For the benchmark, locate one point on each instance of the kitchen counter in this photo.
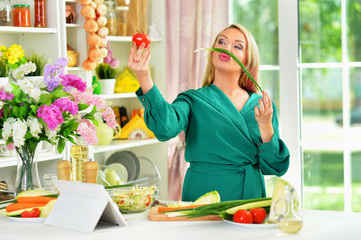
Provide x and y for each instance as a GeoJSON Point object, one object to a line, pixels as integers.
{"type": "Point", "coordinates": [316, 225]}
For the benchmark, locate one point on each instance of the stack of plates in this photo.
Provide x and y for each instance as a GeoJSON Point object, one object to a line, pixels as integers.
{"type": "Point", "coordinates": [129, 160]}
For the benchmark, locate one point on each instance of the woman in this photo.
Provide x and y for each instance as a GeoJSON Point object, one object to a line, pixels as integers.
{"type": "Point", "coordinates": [232, 136]}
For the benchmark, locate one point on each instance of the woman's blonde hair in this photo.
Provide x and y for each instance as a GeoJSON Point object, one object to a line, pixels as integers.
{"type": "Point", "coordinates": [252, 64]}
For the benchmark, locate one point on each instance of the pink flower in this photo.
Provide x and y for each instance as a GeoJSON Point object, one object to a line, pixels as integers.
{"type": "Point", "coordinates": [88, 131]}
{"type": "Point", "coordinates": [70, 81]}
{"type": "Point", "coordinates": [51, 115]}
{"type": "Point", "coordinates": [87, 97]}
{"type": "Point", "coordinates": [6, 96]}
{"type": "Point", "coordinates": [66, 105]}
{"type": "Point", "coordinates": [109, 116]}
{"type": "Point", "coordinates": [10, 147]}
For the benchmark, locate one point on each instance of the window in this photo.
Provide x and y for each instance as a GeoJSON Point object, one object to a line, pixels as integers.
{"type": "Point", "coordinates": [310, 53]}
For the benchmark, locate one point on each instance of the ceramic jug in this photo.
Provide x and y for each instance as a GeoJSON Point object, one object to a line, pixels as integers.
{"type": "Point", "coordinates": [73, 58]}
{"type": "Point", "coordinates": [106, 134]}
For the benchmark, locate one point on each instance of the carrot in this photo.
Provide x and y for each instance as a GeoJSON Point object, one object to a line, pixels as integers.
{"type": "Point", "coordinates": [35, 199]}
{"type": "Point", "coordinates": [166, 209]}
{"type": "Point", "coordinates": [18, 206]}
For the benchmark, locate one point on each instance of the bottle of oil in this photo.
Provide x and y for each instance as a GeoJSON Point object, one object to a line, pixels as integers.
{"type": "Point", "coordinates": [78, 156]}
{"type": "Point", "coordinates": [289, 221]}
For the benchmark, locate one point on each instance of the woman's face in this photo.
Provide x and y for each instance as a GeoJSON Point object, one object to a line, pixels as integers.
{"type": "Point", "coordinates": [234, 41]}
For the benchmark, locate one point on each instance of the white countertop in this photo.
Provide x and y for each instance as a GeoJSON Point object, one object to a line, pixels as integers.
{"type": "Point", "coordinates": [317, 225]}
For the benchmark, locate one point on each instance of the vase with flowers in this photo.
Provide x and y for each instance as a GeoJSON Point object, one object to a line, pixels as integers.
{"type": "Point", "coordinates": [55, 109]}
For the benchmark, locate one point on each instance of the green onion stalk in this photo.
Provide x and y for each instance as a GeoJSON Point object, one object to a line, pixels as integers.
{"type": "Point", "coordinates": [237, 60]}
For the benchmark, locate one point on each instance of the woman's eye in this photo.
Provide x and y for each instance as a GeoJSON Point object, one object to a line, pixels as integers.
{"type": "Point", "coordinates": [238, 47]}
{"type": "Point", "coordinates": [221, 42]}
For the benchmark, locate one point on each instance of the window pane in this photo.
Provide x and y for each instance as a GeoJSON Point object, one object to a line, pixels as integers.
{"type": "Point", "coordinates": [355, 102]}
{"type": "Point", "coordinates": [353, 30]}
{"type": "Point", "coordinates": [261, 19]}
{"type": "Point", "coordinates": [323, 180]}
{"type": "Point", "coordinates": [356, 181]}
{"type": "Point", "coordinates": [269, 81]}
{"type": "Point", "coordinates": [322, 104]}
{"type": "Point", "coordinates": [320, 31]}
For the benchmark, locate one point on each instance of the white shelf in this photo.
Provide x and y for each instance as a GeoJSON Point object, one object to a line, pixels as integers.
{"type": "Point", "coordinates": [41, 157]}
{"type": "Point", "coordinates": [27, 30]}
{"type": "Point", "coordinates": [124, 144]}
{"type": "Point", "coordinates": [119, 95]}
{"type": "Point", "coordinates": [73, 25]}
{"type": "Point", "coordinates": [70, 1]}
{"type": "Point", "coordinates": [76, 69]}
{"type": "Point", "coordinates": [128, 39]}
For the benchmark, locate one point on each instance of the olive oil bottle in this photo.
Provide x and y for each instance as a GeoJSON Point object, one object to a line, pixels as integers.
{"type": "Point", "coordinates": [78, 156]}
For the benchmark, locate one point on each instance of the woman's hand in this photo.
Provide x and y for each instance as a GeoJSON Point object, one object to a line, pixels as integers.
{"type": "Point", "coordinates": [263, 116]}
{"type": "Point", "coordinates": [138, 62]}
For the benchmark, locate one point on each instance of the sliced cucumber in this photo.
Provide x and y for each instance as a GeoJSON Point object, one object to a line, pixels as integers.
{"type": "Point", "coordinates": [30, 193]}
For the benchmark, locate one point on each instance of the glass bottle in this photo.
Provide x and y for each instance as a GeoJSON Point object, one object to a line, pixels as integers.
{"type": "Point", "coordinates": [21, 15]}
{"type": "Point", "coordinates": [5, 13]}
{"type": "Point", "coordinates": [78, 156]}
{"type": "Point", "coordinates": [111, 17]}
{"type": "Point", "coordinates": [288, 218]}
{"type": "Point", "coordinates": [39, 13]}
{"type": "Point", "coordinates": [122, 19]}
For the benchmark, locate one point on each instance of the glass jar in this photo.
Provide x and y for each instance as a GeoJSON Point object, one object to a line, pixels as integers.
{"type": "Point", "coordinates": [122, 19]}
{"type": "Point", "coordinates": [5, 13]}
{"type": "Point", "coordinates": [39, 13]}
{"type": "Point", "coordinates": [21, 15]}
{"type": "Point", "coordinates": [111, 18]}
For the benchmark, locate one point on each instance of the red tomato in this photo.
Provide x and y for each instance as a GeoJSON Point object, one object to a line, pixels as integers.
{"type": "Point", "coordinates": [26, 214]}
{"type": "Point", "coordinates": [140, 38]}
{"type": "Point", "coordinates": [243, 216]}
{"type": "Point", "coordinates": [35, 212]}
{"type": "Point", "coordinates": [258, 214]}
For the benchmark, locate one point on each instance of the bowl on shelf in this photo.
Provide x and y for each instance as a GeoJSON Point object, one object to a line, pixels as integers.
{"type": "Point", "coordinates": [134, 199]}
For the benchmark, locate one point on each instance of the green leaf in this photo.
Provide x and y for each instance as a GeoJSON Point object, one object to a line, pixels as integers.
{"type": "Point", "coordinates": [34, 108]}
{"type": "Point", "coordinates": [82, 106]}
{"type": "Point", "coordinates": [28, 135]}
{"type": "Point", "coordinates": [45, 98]}
{"type": "Point", "coordinates": [23, 111]}
{"type": "Point", "coordinates": [15, 112]}
{"type": "Point", "coordinates": [61, 145]}
{"type": "Point", "coordinates": [71, 140]}
{"type": "Point", "coordinates": [16, 90]}
{"type": "Point", "coordinates": [58, 94]}
{"type": "Point", "coordinates": [6, 109]}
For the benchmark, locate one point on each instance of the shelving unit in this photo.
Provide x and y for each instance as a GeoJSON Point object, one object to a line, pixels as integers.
{"type": "Point", "coordinates": [52, 42]}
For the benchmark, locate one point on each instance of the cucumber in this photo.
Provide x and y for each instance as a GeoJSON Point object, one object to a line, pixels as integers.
{"type": "Point", "coordinates": [32, 193]}
{"type": "Point", "coordinates": [19, 212]}
{"type": "Point", "coordinates": [258, 204]}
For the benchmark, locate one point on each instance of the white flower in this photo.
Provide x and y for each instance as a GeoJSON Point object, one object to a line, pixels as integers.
{"type": "Point", "coordinates": [7, 128]}
{"type": "Point", "coordinates": [1, 104]}
{"type": "Point", "coordinates": [19, 131]}
{"type": "Point", "coordinates": [50, 134]}
{"type": "Point", "coordinates": [34, 126]}
{"type": "Point", "coordinates": [28, 87]}
{"type": "Point", "coordinates": [39, 82]}
{"type": "Point", "coordinates": [8, 87]}
{"type": "Point", "coordinates": [24, 69]}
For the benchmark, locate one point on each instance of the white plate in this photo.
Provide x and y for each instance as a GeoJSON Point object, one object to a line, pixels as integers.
{"type": "Point", "coordinates": [252, 225]}
{"type": "Point", "coordinates": [27, 220]}
{"type": "Point", "coordinates": [120, 170]}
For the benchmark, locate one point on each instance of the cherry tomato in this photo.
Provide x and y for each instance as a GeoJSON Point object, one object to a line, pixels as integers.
{"type": "Point", "coordinates": [258, 214]}
{"type": "Point", "coordinates": [26, 214]}
{"type": "Point", "coordinates": [35, 212]}
{"type": "Point", "coordinates": [140, 38]}
{"type": "Point", "coordinates": [243, 216]}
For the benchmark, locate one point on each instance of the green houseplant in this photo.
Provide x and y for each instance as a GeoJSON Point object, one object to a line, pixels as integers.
{"type": "Point", "coordinates": [3, 69]}
{"type": "Point", "coordinates": [106, 76]}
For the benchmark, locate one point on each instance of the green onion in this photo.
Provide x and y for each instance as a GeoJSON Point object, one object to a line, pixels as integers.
{"type": "Point", "coordinates": [237, 60]}
{"type": "Point", "coordinates": [215, 208]}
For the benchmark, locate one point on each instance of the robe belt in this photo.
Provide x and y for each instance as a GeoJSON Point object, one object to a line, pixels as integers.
{"type": "Point", "coordinates": [253, 179]}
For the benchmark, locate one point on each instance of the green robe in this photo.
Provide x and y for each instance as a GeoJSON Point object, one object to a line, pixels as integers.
{"type": "Point", "coordinates": [223, 145]}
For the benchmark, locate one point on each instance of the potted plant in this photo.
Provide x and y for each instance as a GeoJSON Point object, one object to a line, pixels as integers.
{"type": "Point", "coordinates": [106, 76]}
{"type": "Point", "coordinates": [3, 72]}
{"type": "Point", "coordinates": [40, 61]}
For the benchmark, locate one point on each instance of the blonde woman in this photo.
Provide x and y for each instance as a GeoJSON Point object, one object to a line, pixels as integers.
{"type": "Point", "coordinates": [232, 136]}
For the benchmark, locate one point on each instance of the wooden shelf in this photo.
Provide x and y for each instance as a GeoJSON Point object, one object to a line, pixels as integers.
{"type": "Point", "coordinates": [41, 157]}
{"type": "Point", "coordinates": [124, 144]}
{"type": "Point", "coordinates": [27, 30]}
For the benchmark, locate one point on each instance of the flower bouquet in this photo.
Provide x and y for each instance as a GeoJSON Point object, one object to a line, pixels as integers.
{"type": "Point", "coordinates": [57, 109]}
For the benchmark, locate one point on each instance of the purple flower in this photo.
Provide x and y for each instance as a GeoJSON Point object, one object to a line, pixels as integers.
{"type": "Point", "coordinates": [52, 73]}
{"type": "Point", "coordinates": [70, 81]}
{"type": "Point", "coordinates": [66, 105]}
{"type": "Point", "coordinates": [6, 96]}
{"type": "Point", "coordinates": [51, 115]}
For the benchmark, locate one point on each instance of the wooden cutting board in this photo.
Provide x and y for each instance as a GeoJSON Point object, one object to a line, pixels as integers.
{"type": "Point", "coordinates": [155, 216]}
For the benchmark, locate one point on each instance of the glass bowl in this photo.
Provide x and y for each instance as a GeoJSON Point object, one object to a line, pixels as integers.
{"type": "Point", "coordinates": [134, 199]}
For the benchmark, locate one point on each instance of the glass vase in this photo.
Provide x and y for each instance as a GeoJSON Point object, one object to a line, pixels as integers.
{"type": "Point", "coordinates": [27, 175]}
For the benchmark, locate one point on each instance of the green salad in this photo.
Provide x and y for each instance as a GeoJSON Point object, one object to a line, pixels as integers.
{"type": "Point", "coordinates": [134, 199]}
